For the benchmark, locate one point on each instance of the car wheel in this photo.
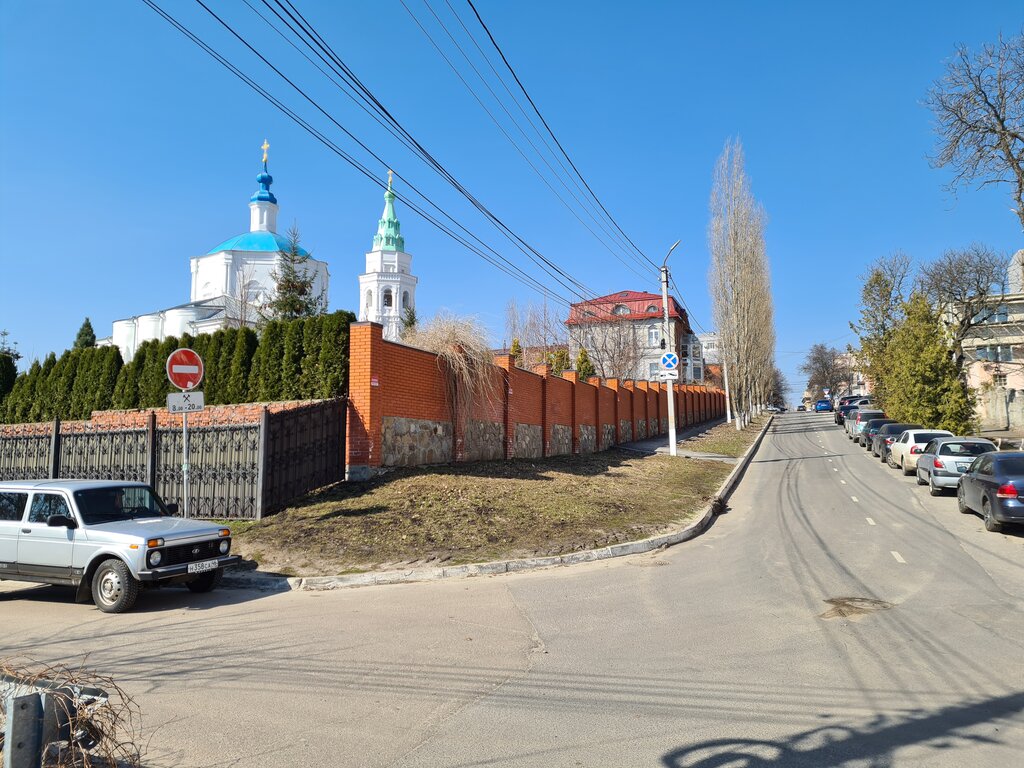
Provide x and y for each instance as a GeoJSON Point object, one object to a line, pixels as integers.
{"type": "Point", "coordinates": [903, 467]}
{"type": "Point", "coordinates": [991, 524]}
{"type": "Point", "coordinates": [933, 489]}
{"type": "Point", "coordinates": [919, 480]}
{"type": "Point", "coordinates": [114, 589]}
{"type": "Point", "coordinates": [961, 500]}
{"type": "Point", "coordinates": [207, 582]}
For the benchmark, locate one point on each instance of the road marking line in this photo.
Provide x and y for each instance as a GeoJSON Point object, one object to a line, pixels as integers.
{"type": "Point", "coordinates": [834, 469]}
{"type": "Point", "coordinates": [854, 498]}
{"type": "Point", "coordinates": [898, 556]}
{"type": "Point", "coordinates": [841, 481]}
{"type": "Point", "coordinates": [870, 521]}
{"type": "Point", "coordinates": [830, 461]}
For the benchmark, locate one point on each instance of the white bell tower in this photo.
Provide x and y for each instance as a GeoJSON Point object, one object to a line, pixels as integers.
{"type": "Point", "coordinates": [387, 288]}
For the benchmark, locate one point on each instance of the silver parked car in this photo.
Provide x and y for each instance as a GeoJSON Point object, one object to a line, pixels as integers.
{"type": "Point", "coordinates": [944, 459]}
{"type": "Point", "coordinates": [109, 539]}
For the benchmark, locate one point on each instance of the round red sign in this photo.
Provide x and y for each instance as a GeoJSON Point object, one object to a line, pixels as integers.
{"type": "Point", "coordinates": [184, 369]}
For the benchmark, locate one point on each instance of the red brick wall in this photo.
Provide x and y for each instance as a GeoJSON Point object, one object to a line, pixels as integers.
{"type": "Point", "coordinates": [584, 408]}
{"type": "Point", "coordinates": [607, 401]}
{"type": "Point", "coordinates": [558, 408]}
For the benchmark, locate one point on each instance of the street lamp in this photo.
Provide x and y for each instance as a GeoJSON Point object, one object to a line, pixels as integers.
{"type": "Point", "coordinates": [668, 335]}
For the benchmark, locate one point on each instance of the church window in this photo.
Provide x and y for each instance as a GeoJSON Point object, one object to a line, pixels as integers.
{"type": "Point", "coordinates": [387, 298]}
{"type": "Point", "coordinates": [405, 299]}
{"type": "Point", "coordinates": [369, 299]}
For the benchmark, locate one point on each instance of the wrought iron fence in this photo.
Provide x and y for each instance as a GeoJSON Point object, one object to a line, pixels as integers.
{"type": "Point", "coordinates": [243, 470]}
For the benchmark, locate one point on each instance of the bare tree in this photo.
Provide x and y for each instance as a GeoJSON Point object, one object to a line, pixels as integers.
{"type": "Point", "coordinates": [243, 308]}
{"type": "Point", "coordinates": [741, 286]}
{"type": "Point", "coordinates": [615, 345]}
{"type": "Point", "coordinates": [965, 286]}
{"type": "Point", "coordinates": [979, 111]}
{"type": "Point", "coordinates": [826, 369]}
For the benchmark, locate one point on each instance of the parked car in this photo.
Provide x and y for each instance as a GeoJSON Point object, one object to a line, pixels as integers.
{"type": "Point", "coordinates": [109, 539]}
{"type": "Point", "coordinates": [856, 422]}
{"type": "Point", "coordinates": [871, 427]}
{"type": "Point", "coordinates": [844, 410]}
{"type": "Point", "coordinates": [908, 446]}
{"type": "Point", "coordinates": [944, 459]}
{"type": "Point", "coordinates": [886, 436]}
{"type": "Point", "coordinates": [801, 407]}
{"type": "Point", "coordinates": [822, 405]}
{"type": "Point", "coordinates": [990, 486]}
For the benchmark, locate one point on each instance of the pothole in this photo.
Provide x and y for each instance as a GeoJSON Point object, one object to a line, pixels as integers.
{"type": "Point", "coordinates": [853, 607]}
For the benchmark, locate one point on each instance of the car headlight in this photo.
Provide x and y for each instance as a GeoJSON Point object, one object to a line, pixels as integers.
{"type": "Point", "coordinates": [225, 545]}
{"type": "Point", "coordinates": [155, 557]}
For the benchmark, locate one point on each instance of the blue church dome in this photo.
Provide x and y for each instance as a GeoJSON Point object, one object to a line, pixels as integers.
{"type": "Point", "coordinates": [256, 241]}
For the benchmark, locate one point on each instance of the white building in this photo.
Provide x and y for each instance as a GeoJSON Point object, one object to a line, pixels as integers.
{"type": "Point", "coordinates": [388, 288]}
{"type": "Point", "coordinates": [709, 344]}
{"type": "Point", "coordinates": [230, 284]}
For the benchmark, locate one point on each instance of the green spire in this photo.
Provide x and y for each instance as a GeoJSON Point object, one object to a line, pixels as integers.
{"type": "Point", "coordinates": [389, 231]}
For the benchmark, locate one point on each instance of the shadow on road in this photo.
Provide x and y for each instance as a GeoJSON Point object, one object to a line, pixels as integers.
{"type": "Point", "coordinates": [150, 601]}
{"type": "Point", "coordinates": [873, 743]}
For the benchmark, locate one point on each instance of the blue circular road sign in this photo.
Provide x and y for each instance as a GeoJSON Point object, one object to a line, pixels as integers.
{"type": "Point", "coordinates": [669, 361]}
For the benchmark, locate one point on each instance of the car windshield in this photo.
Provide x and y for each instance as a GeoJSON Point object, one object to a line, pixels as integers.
{"type": "Point", "coordinates": [965, 449]}
{"type": "Point", "coordinates": [113, 503]}
{"type": "Point", "coordinates": [1011, 466]}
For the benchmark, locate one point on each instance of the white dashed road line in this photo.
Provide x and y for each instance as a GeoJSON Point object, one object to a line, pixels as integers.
{"type": "Point", "coordinates": [898, 556]}
{"type": "Point", "coordinates": [870, 521]}
{"type": "Point", "coordinates": [855, 498]}
{"type": "Point", "coordinates": [841, 481]}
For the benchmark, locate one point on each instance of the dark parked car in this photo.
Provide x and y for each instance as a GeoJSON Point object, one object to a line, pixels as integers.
{"type": "Point", "coordinates": [822, 405]}
{"type": "Point", "coordinates": [944, 459]}
{"type": "Point", "coordinates": [886, 436]}
{"type": "Point", "coordinates": [991, 486]}
{"type": "Point", "coordinates": [843, 410]}
{"type": "Point", "coordinates": [801, 407]}
{"type": "Point", "coordinates": [867, 434]}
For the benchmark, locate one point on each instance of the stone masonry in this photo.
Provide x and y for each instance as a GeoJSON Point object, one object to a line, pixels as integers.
{"type": "Point", "coordinates": [529, 442]}
{"type": "Point", "coordinates": [409, 442]}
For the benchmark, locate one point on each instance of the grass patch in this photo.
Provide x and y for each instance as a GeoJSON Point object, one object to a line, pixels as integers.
{"type": "Point", "coordinates": [725, 440]}
{"type": "Point", "coordinates": [481, 511]}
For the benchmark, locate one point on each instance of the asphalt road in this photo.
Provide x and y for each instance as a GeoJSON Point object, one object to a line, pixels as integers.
{"type": "Point", "coordinates": [835, 616]}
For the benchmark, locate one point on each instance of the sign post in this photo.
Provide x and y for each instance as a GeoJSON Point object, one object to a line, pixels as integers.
{"type": "Point", "coordinates": [185, 371]}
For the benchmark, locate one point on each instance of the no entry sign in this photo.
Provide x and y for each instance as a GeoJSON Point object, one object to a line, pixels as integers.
{"type": "Point", "coordinates": [184, 369]}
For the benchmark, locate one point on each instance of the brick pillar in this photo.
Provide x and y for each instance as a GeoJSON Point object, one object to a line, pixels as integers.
{"type": "Point", "coordinates": [573, 378]}
{"type": "Point", "coordinates": [507, 363]}
{"type": "Point", "coordinates": [544, 369]}
{"type": "Point", "coordinates": [364, 422]}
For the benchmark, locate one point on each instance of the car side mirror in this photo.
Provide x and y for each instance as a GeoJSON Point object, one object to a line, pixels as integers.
{"type": "Point", "coordinates": [173, 509]}
{"type": "Point", "coordinates": [61, 521]}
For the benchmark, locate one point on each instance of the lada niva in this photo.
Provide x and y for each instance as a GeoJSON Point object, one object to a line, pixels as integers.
{"type": "Point", "coordinates": [109, 539]}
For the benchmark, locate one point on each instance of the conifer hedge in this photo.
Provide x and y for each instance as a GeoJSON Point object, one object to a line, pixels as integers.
{"type": "Point", "coordinates": [298, 359]}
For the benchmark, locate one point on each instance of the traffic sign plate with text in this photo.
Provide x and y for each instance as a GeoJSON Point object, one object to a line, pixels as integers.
{"type": "Point", "coordinates": [185, 402]}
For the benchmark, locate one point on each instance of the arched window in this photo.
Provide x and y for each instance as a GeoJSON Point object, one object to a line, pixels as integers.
{"type": "Point", "coordinates": [620, 309]}
{"type": "Point", "coordinates": [652, 308]}
{"type": "Point", "coordinates": [369, 299]}
{"type": "Point", "coordinates": [386, 303]}
{"type": "Point", "coordinates": [405, 299]}
{"type": "Point", "coordinates": [653, 336]}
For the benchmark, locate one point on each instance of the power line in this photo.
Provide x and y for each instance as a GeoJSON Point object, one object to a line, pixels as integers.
{"type": "Point", "coordinates": [497, 260]}
{"type": "Point", "coordinates": [551, 133]}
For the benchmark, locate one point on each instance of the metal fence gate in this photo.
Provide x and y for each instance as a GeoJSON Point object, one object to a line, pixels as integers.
{"type": "Point", "coordinates": [244, 470]}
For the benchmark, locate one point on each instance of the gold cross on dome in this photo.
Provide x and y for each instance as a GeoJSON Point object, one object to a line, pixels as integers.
{"type": "Point", "coordinates": [265, 147]}
{"type": "Point", "coordinates": [389, 178]}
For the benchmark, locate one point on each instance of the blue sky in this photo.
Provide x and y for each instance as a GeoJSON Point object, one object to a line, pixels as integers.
{"type": "Point", "coordinates": [125, 150]}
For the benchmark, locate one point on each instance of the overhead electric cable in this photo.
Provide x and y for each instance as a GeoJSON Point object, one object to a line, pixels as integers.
{"type": "Point", "coordinates": [552, 134]}
{"type": "Point", "coordinates": [501, 263]}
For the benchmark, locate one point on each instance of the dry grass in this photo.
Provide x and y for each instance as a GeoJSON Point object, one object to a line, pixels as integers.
{"type": "Point", "coordinates": [725, 440]}
{"type": "Point", "coordinates": [483, 511]}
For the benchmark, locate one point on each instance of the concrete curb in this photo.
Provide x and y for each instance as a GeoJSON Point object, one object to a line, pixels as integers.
{"type": "Point", "coordinates": [253, 580]}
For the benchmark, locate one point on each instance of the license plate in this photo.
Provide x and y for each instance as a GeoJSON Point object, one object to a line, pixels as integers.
{"type": "Point", "coordinates": [202, 566]}
{"type": "Point", "coordinates": [960, 467]}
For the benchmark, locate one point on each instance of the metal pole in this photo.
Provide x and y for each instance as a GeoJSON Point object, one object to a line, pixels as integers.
{"type": "Point", "coordinates": [184, 462]}
{"type": "Point", "coordinates": [672, 451]}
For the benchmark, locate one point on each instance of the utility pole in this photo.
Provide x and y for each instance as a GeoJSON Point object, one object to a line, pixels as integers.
{"type": "Point", "coordinates": [668, 335]}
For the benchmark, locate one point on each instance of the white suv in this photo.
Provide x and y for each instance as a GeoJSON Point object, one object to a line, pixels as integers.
{"type": "Point", "coordinates": [107, 538]}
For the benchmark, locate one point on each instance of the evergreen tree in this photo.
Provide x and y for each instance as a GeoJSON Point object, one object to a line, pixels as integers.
{"type": "Point", "coordinates": [42, 408]}
{"type": "Point", "coordinates": [559, 360]}
{"type": "Point", "coordinates": [211, 377]}
{"type": "Point", "coordinates": [237, 390]}
{"type": "Point", "coordinates": [923, 383]}
{"type": "Point", "coordinates": [584, 368]}
{"type": "Point", "coordinates": [334, 354]}
{"type": "Point", "coordinates": [312, 333]}
{"type": "Point", "coordinates": [106, 376]}
{"type": "Point", "coordinates": [291, 363]}
{"type": "Point", "coordinates": [86, 336]}
{"type": "Point", "coordinates": [294, 293]}
{"type": "Point", "coordinates": [409, 320]}
{"type": "Point", "coordinates": [516, 350]}
{"type": "Point", "coordinates": [23, 404]}
{"type": "Point", "coordinates": [271, 357]}
{"type": "Point", "coordinates": [153, 384]}
{"type": "Point", "coordinates": [221, 367]}
{"type": "Point", "coordinates": [62, 384]}
{"type": "Point", "coordinates": [8, 366]}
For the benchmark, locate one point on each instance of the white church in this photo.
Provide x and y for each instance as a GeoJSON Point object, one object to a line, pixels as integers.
{"type": "Point", "coordinates": [230, 284]}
